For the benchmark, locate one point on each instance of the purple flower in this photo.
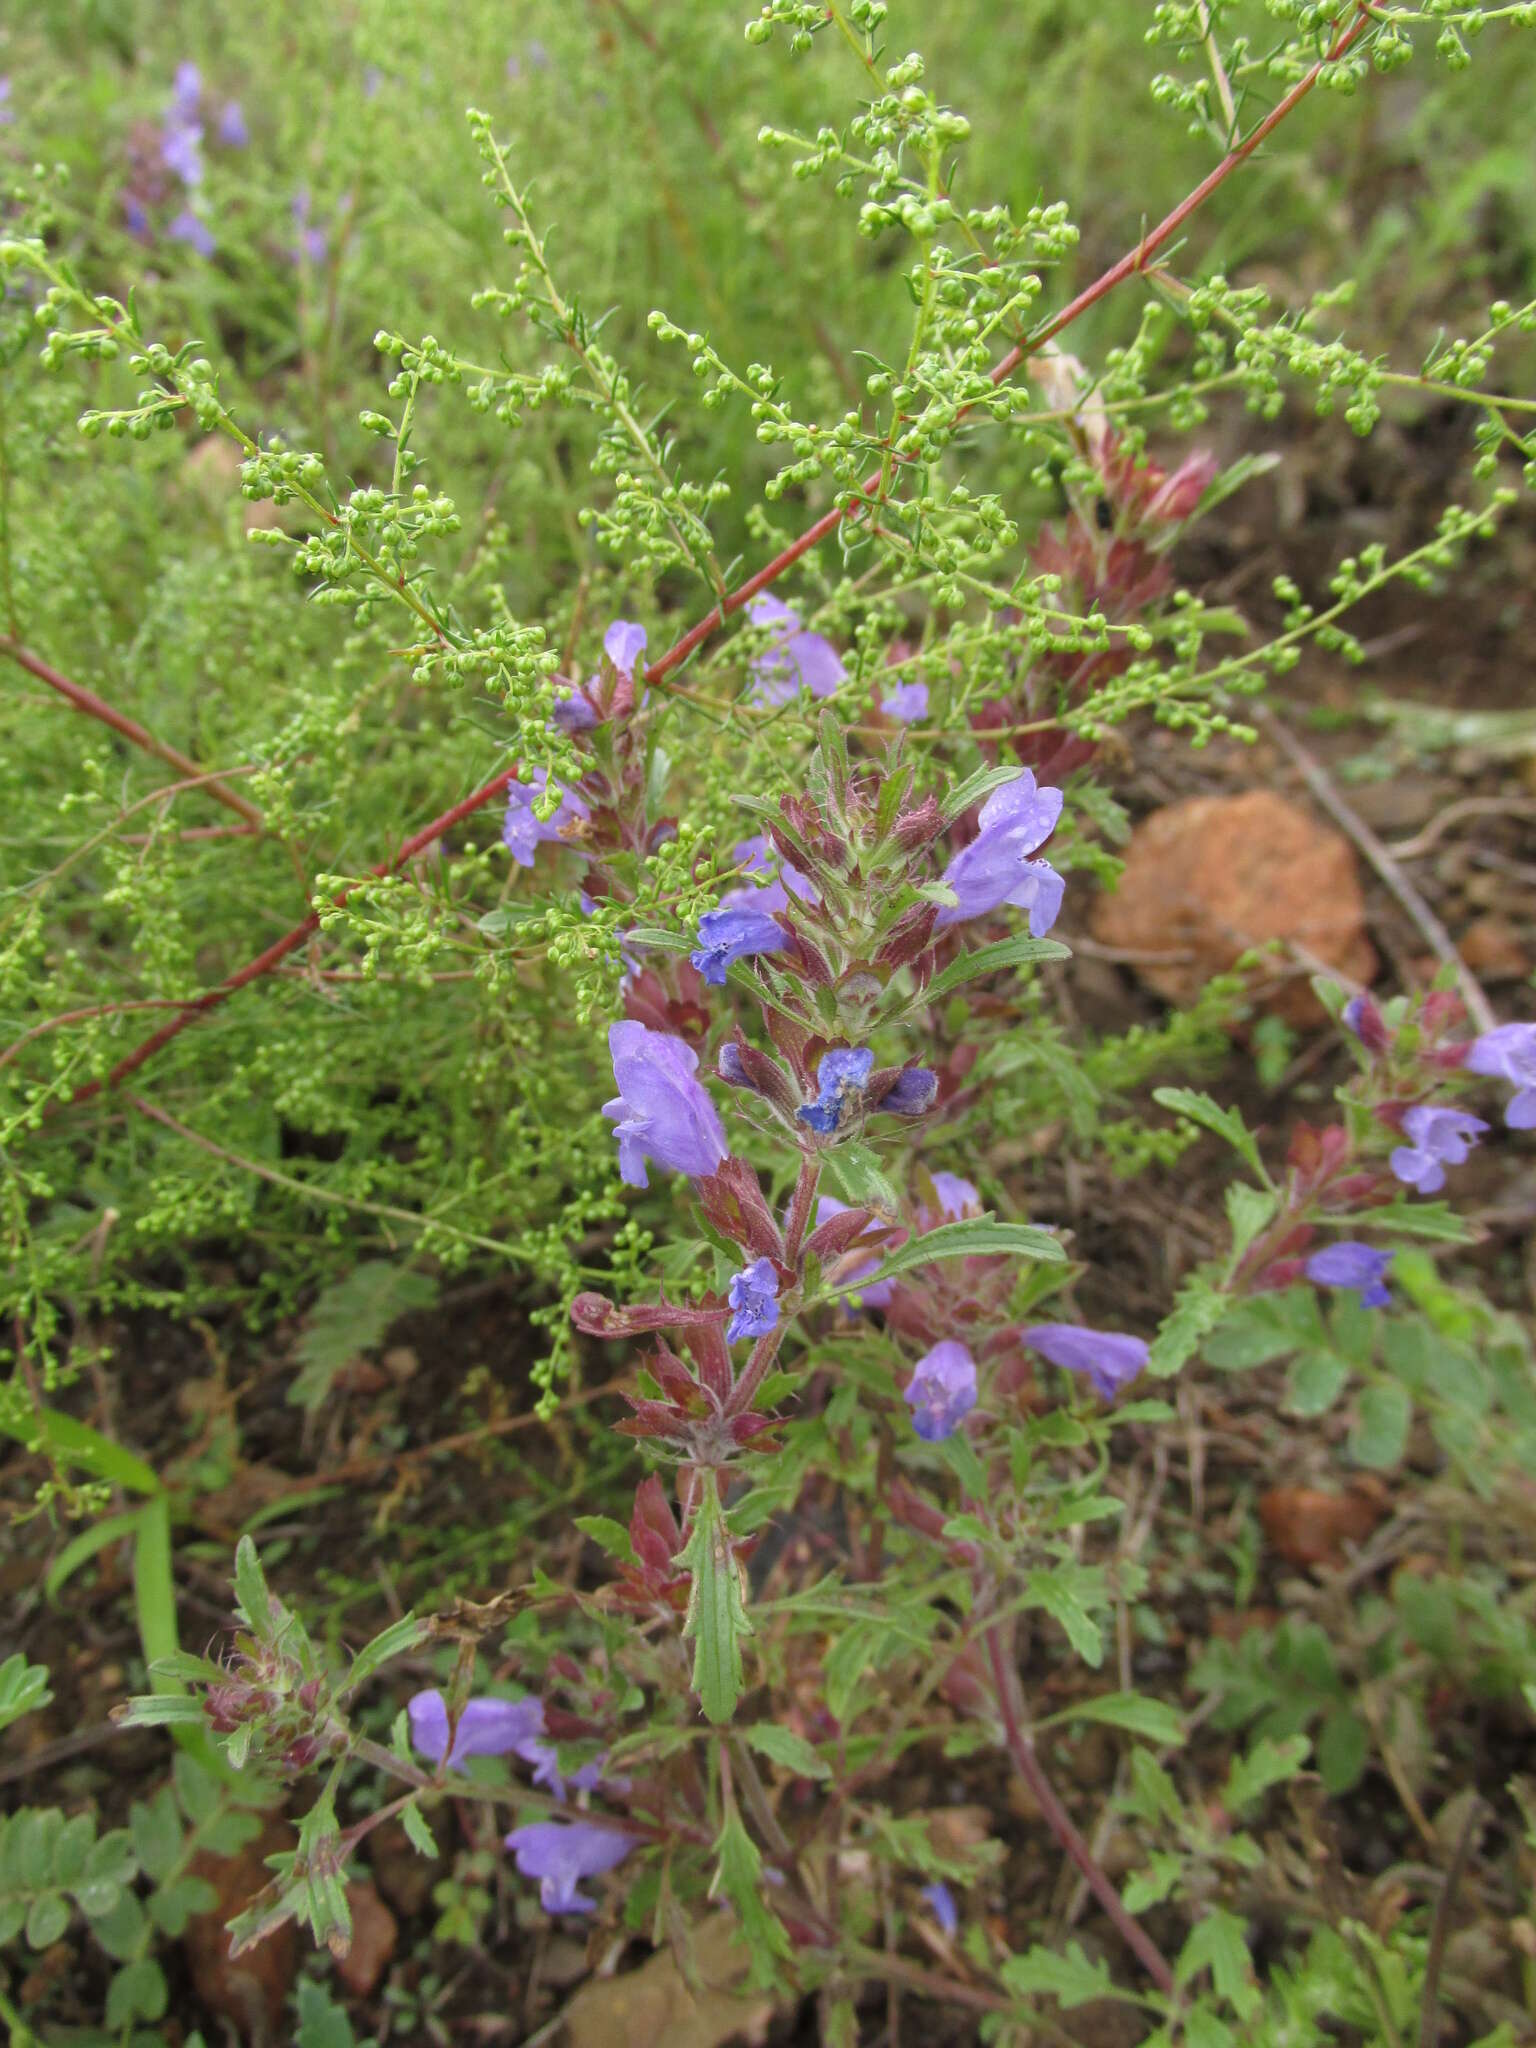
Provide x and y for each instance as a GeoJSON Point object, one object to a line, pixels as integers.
{"type": "Point", "coordinates": [995, 869]}
{"type": "Point", "coordinates": [1440, 1138]}
{"type": "Point", "coordinates": [661, 1111]}
{"type": "Point", "coordinates": [136, 216]}
{"type": "Point", "coordinates": [753, 1293]}
{"type": "Point", "coordinates": [189, 228]}
{"type": "Point", "coordinates": [905, 702]}
{"type": "Point", "coordinates": [487, 1727]}
{"type": "Point", "coordinates": [561, 1853]}
{"type": "Point", "coordinates": [912, 1094]}
{"type": "Point", "coordinates": [521, 832]}
{"type": "Point", "coordinates": [313, 242]}
{"type": "Point", "coordinates": [956, 1195]}
{"type": "Point", "coordinates": [624, 643]}
{"type": "Point", "coordinates": [794, 659]}
{"type": "Point", "coordinates": [941, 1903]}
{"type": "Point", "coordinates": [373, 78]}
{"type": "Point", "coordinates": [942, 1390]}
{"type": "Point", "coordinates": [1362, 1016]}
{"type": "Point", "coordinates": [1350, 1264]}
{"type": "Point", "coordinates": [731, 934]}
{"type": "Point", "coordinates": [6, 114]}
{"type": "Point", "coordinates": [187, 90]}
{"type": "Point", "coordinates": [1109, 1359]}
{"type": "Point", "coordinates": [181, 150]}
{"type": "Point", "coordinates": [879, 1294]}
{"type": "Point", "coordinates": [840, 1076]}
{"type": "Point", "coordinates": [233, 132]}
{"type": "Point", "coordinates": [574, 712]}
{"type": "Point", "coordinates": [1509, 1053]}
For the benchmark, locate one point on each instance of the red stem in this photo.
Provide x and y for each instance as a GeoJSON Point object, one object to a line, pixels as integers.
{"type": "Point", "coordinates": [1133, 260]}
{"type": "Point", "coordinates": [1060, 1823]}
{"type": "Point", "coordinates": [97, 707]}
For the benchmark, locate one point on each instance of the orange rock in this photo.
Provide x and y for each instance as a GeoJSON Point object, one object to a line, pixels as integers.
{"type": "Point", "coordinates": [1491, 947]}
{"type": "Point", "coordinates": [1310, 1527]}
{"type": "Point", "coordinates": [375, 1930]}
{"type": "Point", "coordinates": [1208, 878]}
{"type": "Point", "coordinates": [251, 1990]}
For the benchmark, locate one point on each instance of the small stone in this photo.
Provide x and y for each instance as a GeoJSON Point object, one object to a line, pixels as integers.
{"type": "Point", "coordinates": [375, 1931]}
{"type": "Point", "coordinates": [249, 1991]}
{"type": "Point", "coordinates": [1492, 950]}
{"type": "Point", "coordinates": [1210, 877]}
{"type": "Point", "coordinates": [1310, 1527]}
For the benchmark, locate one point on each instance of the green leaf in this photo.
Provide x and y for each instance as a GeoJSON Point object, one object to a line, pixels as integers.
{"type": "Point", "coordinates": [123, 1931]}
{"type": "Point", "coordinates": [251, 1589]}
{"type": "Point", "coordinates": [716, 1620]}
{"type": "Point", "coordinates": [47, 1919]}
{"type": "Point", "coordinates": [783, 1746]}
{"type": "Point", "coordinates": [394, 1641]}
{"type": "Point", "coordinates": [862, 1180]}
{"type": "Point", "coordinates": [1380, 1435]}
{"type": "Point", "coordinates": [137, 1992]}
{"type": "Point", "coordinates": [975, 789]}
{"type": "Point", "coordinates": [352, 1315]}
{"type": "Point", "coordinates": [1343, 1750]}
{"type": "Point", "coordinates": [1054, 1592]}
{"type": "Point", "coordinates": [608, 1535]}
{"type": "Point", "coordinates": [976, 1236]}
{"type": "Point", "coordinates": [1420, 1219]}
{"type": "Point", "coordinates": [992, 959]}
{"type": "Point", "coordinates": [417, 1832]}
{"type": "Point", "coordinates": [80, 1549]}
{"type": "Point", "coordinates": [1154, 1719]}
{"type": "Point", "coordinates": [1249, 1209]}
{"type": "Point", "coordinates": [739, 1876]}
{"type": "Point", "coordinates": [660, 937]}
{"type": "Point", "coordinates": [1268, 1327]}
{"type": "Point", "coordinates": [73, 1443]}
{"type": "Point", "coordinates": [1063, 1974]}
{"type": "Point", "coordinates": [1197, 1309]}
{"type": "Point", "coordinates": [1315, 1382]}
{"type": "Point", "coordinates": [1226, 1123]}
{"type": "Point", "coordinates": [23, 1688]}
{"type": "Point", "coordinates": [322, 2022]}
{"type": "Point", "coordinates": [1218, 1942]}
{"type": "Point", "coordinates": [157, 1833]}
{"type": "Point", "coordinates": [1267, 1763]}
{"type": "Point", "coordinates": [173, 1905]}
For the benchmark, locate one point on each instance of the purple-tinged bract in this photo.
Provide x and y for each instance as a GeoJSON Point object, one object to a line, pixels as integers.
{"type": "Point", "coordinates": [1351, 1264]}
{"type": "Point", "coordinates": [661, 1111]}
{"type": "Point", "coordinates": [1437, 1138]}
{"type": "Point", "coordinates": [561, 1853]}
{"type": "Point", "coordinates": [912, 1093]}
{"type": "Point", "coordinates": [942, 1390]}
{"type": "Point", "coordinates": [1508, 1053]}
{"type": "Point", "coordinates": [995, 868]}
{"type": "Point", "coordinates": [1107, 1359]}
{"type": "Point", "coordinates": [753, 1295]}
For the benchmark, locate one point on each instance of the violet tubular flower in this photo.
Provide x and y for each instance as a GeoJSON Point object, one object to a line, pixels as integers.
{"type": "Point", "coordinates": [905, 702]}
{"type": "Point", "coordinates": [624, 643]}
{"type": "Point", "coordinates": [1355, 1265]}
{"type": "Point", "coordinates": [753, 1294]}
{"type": "Point", "coordinates": [739, 931]}
{"type": "Point", "coordinates": [561, 1853]}
{"type": "Point", "coordinates": [913, 1093]}
{"type": "Point", "coordinates": [233, 132]}
{"type": "Point", "coordinates": [189, 228]}
{"type": "Point", "coordinates": [487, 1727]}
{"type": "Point", "coordinates": [1508, 1053]}
{"type": "Point", "coordinates": [840, 1076]}
{"type": "Point", "coordinates": [661, 1112]}
{"type": "Point", "coordinates": [522, 833]}
{"type": "Point", "coordinates": [1108, 1359]}
{"type": "Point", "coordinates": [996, 869]}
{"type": "Point", "coordinates": [940, 1901]}
{"type": "Point", "coordinates": [942, 1390]}
{"type": "Point", "coordinates": [794, 659]}
{"type": "Point", "coordinates": [1438, 1138]}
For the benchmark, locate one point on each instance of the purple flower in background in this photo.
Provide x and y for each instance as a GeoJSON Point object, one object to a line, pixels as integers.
{"type": "Point", "coordinates": [661, 1112]}
{"type": "Point", "coordinates": [136, 216]}
{"type": "Point", "coordinates": [1438, 1138]}
{"type": "Point", "coordinates": [233, 132]}
{"type": "Point", "coordinates": [753, 1294]}
{"type": "Point", "coordinates": [840, 1076]}
{"type": "Point", "coordinates": [188, 227]}
{"type": "Point", "coordinates": [1350, 1264]}
{"type": "Point", "coordinates": [373, 78]}
{"type": "Point", "coordinates": [913, 1093]}
{"type": "Point", "coordinates": [187, 89]}
{"type": "Point", "coordinates": [7, 116]}
{"type": "Point", "coordinates": [624, 643]}
{"type": "Point", "coordinates": [181, 150]}
{"type": "Point", "coordinates": [879, 1294]}
{"type": "Point", "coordinates": [1108, 1359]}
{"type": "Point", "coordinates": [486, 1727]}
{"type": "Point", "coordinates": [313, 242]}
{"type": "Point", "coordinates": [729, 935]}
{"type": "Point", "coordinates": [1508, 1052]}
{"type": "Point", "coordinates": [956, 1196]}
{"type": "Point", "coordinates": [905, 702]}
{"type": "Point", "coordinates": [941, 1903]}
{"type": "Point", "coordinates": [561, 1853]}
{"type": "Point", "coordinates": [942, 1391]}
{"type": "Point", "coordinates": [794, 659]}
{"type": "Point", "coordinates": [995, 867]}
{"type": "Point", "coordinates": [521, 832]}
{"type": "Point", "coordinates": [574, 712]}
